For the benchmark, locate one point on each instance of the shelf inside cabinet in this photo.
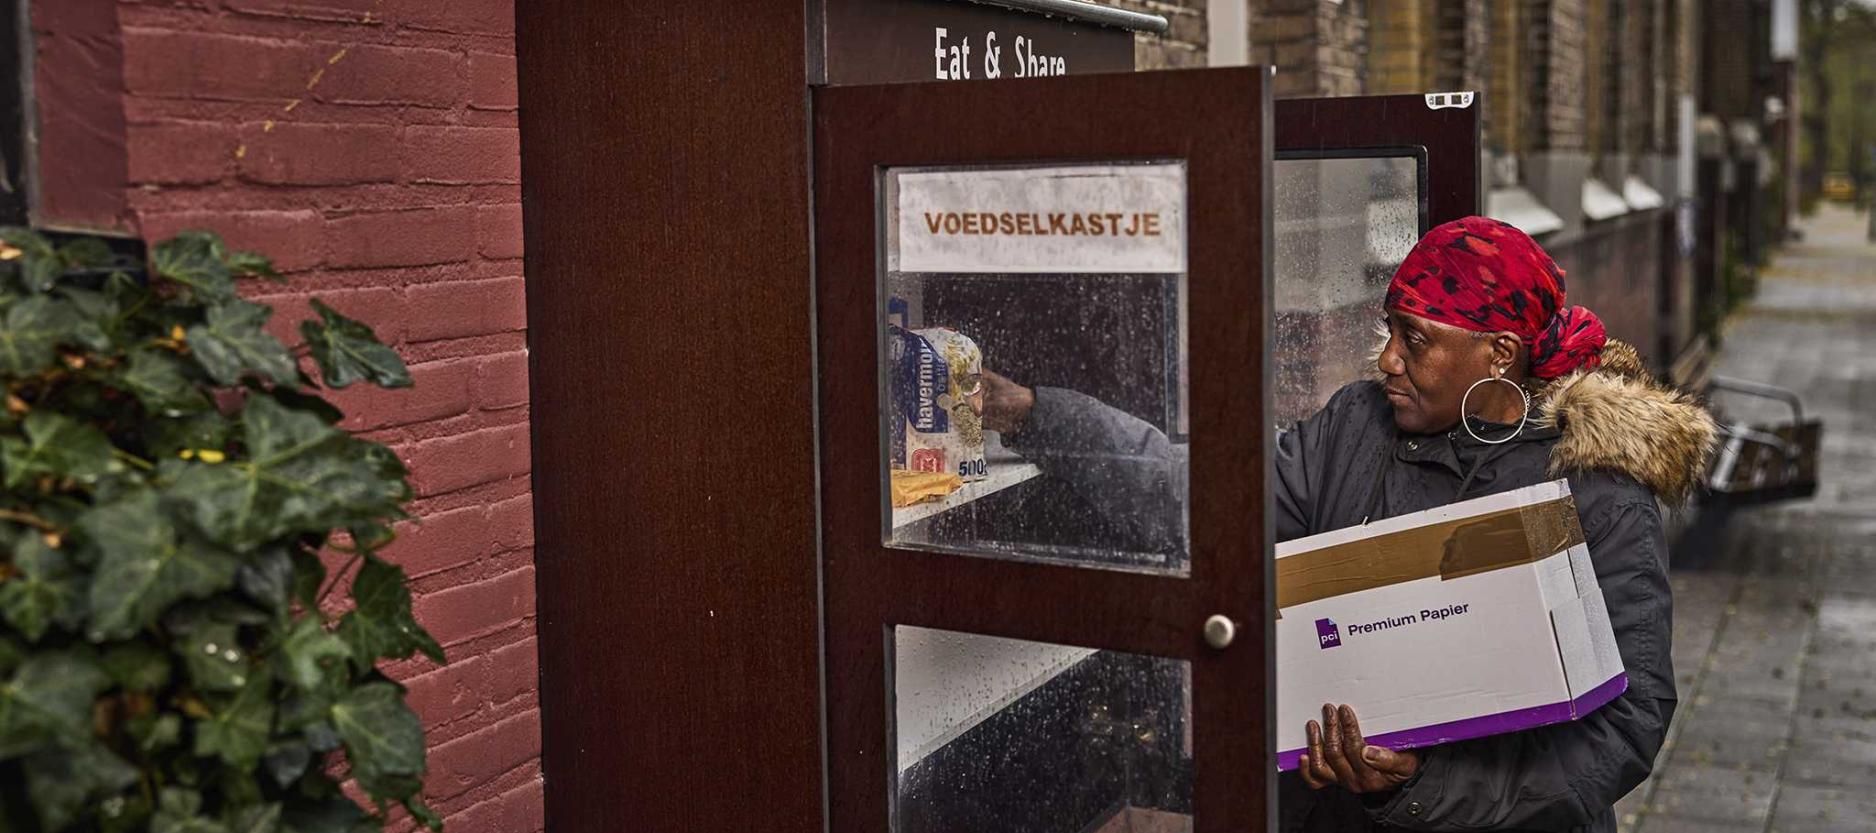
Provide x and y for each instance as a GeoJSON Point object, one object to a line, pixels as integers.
{"type": "Point", "coordinates": [1006, 469]}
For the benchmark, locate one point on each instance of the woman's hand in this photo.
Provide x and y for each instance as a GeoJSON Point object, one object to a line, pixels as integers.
{"type": "Point", "coordinates": [1338, 755]}
{"type": "Point", "coordinates": [1006, 404]}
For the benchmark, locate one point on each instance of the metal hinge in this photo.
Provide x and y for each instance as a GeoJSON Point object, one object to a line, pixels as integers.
{"type": "Point", "coordinates": [1441, 101]}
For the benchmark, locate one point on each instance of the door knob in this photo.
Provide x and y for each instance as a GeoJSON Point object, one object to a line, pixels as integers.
{"type": "Point", "coordinates": [1219, 631]}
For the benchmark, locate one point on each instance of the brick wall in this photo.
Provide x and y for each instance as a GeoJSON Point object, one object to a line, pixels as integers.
{"type": "Point", "coordinates": [1506, 101]}
{"type": "Point", "coordinates": [1461, 54]}
{"type": "Point", "coordinates": [1556, 82]}
{"type": "Point", "coordinates": [1400, 46]}
{"type": "Point", "coordinates": [370, 147]}
{"type": "Point", "coordinates": [1417, 46]}
{"type": "Point", "coordinates": [1183, 45]}
{"type": "Point", "coordinates": [1318, 46]}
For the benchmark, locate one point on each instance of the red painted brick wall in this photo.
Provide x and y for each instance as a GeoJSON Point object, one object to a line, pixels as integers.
{"type": "Point", "coordinates": [371, 148]}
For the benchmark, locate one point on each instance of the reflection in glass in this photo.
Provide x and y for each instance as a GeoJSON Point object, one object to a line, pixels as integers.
{"type": "Point", "coordinates": [1342, 226]}
{"type": "Point", "coordinates": [997, 735]}
{"type": "Point", "coordinates": [1068, 281]}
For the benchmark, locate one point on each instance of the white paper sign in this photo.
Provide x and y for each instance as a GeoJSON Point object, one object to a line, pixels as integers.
{"type": "Point", "coordinates": [1126, 219]}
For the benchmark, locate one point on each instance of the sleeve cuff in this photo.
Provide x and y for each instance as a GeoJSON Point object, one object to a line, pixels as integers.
{"type": "Point", "coordinates": [1410, 806]}
{"type": "Point", "coordinates": [1043, 419]}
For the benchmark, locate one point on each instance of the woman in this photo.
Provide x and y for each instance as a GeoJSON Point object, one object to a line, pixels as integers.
{"type": "Point", "coordinates": [1489, 382]}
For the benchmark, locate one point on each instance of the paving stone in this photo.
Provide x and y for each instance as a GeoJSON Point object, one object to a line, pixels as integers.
{"type": "Point", "coordinates": [1832, 761]}
{"type": "Point", "coordinates": [1715, 794]}
{"type": "Point", "coordinates": [1652, 823]}
{"type": "Point", "coordinates": [1803, 808]}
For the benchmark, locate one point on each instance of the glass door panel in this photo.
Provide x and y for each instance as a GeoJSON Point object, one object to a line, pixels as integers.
{"type": "Point", "coordinates": [1068, 280]}
{"type": "Point", "coordinates": [998, 734]}
{"type": "Point", "coordinates": [1343, 223]}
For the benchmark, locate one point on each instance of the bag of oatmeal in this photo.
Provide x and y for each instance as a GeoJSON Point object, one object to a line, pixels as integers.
{"type": "Point", "coordinates": [937, 398]}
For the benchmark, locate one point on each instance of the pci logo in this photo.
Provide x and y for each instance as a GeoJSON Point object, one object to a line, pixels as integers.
{"type": "Point", "coordinates": [1327, 634]}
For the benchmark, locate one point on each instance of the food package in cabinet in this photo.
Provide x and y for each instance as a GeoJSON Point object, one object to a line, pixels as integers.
{"type": "Point", "coordinates": [937, 402]}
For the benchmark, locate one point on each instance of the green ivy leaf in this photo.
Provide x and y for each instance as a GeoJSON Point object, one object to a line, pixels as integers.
{"type": "Point", "coordinates": [63, 781]}
{"type": "Point", "coordinates": [161, 382]}
{"type": "Point", "coordinates": [155, 731]}
{"type": "Point", "coordinates": [307, 652]}
{"type": "Point", "coordinates": [422, 813]}
{"type": "Point", "coordinates": [320, 735]}
{"type": "Point", "coordinates": [237, 730]}
{"type": "Point", "coordinates": [380, 624]}
{"type": "Point", "coordinates": [180, 811]}
{"type": "Point", "coordinates": [254, 818]}
{"type": "Point", "coordinates": [383, 737]}
{"type": "Point", "coordinates": [371, 537]}
{"type": "Point", "coordinates": [230, 343]}
{"type": "Point", "coordinates": [267, 578]}
{"type": "Point", "coordinates": [125, 290]}
{"type": "Point", "coordinates": [213, 655]}
{"type": "Point", "coordinates": [11, 655]}
{"type": "Point", "coordinates": [59, 446]}
{"type": "Point", "coordinates": [302, 476]}
{"type": "Point", "coordinates": [237, 788]}
{"type": "Point", "coordinates": [46, 592]}
{"type": "Point", "coordinates": [309, 574]}
{"type": "Point", "coordinates": [330, 815]}
{"type": "Point", "coordinates": [31, 331]}
{"type": "Point", "coordinates": [136, 666]}
{"type": "Point", "coordinates": [299, 400]}
{"type": "Point", "coordinates": [128, 812]}
{"type": "Point", "coordinates": [38, 264]}
{"type": "Point", "coordinates": [348, 351]}
{"type": "Point", "coordinates": [252, 264]}
{"type": "Point", "coordinates": [195, 260]}
{"type": "Point", "coordinates": [97, 314]}
{"type": "Point", "coordinates": [286, 761]}
{"type": "Point", "coordinates": [48, 698]}
{"type": "Point", "coordinates": [145, 565]}
{"type": "Point", "coordinates": [310, 715]}
{"type": "Point", "coordinates": [86, 253]}
{"type": "Point", "coordinates": [166, 437]}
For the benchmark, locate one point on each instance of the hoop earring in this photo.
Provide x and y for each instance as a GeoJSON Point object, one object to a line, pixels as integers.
{"type": "Point", "coordinates": [1522, 417]}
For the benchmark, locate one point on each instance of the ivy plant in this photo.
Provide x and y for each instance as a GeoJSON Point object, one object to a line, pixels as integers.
{"type": "Point", "coordinates": [171, 474]}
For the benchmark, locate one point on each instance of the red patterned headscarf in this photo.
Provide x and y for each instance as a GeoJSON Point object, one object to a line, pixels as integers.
{"type": "Point", "coordinates": [1483, 275]}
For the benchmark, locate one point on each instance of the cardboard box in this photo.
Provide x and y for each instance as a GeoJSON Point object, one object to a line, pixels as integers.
{"type": "Point", "coordinates": [1471, 619]}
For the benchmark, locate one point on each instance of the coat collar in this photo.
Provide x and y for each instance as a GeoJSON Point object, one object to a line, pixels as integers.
{"type": "Point", "coordinates": [1455, 450]}
{"type": "Point", "coordinates": [1619, 418]}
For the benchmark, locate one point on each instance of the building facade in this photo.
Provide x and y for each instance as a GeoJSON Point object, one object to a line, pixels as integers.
{"type": "Point", "coordinates": [1647, 144]}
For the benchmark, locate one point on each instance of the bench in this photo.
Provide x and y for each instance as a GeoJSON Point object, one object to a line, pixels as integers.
{"type": "Point", "coordinates": [1755, 463]}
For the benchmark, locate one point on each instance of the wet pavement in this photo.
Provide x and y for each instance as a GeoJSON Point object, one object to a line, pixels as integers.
{"type": "Point", "coordinates": [1775, 624]}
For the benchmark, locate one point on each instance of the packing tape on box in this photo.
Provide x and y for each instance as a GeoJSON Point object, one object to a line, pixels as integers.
{"type": "Point", "coordinates": [1451, 549]}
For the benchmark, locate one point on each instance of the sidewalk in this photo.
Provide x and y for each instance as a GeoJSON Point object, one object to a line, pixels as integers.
{"type": "Point", "coordinates": [1775, 641]}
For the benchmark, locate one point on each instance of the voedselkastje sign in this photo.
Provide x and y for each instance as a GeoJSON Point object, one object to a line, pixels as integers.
{"type": "Point", "coordinates": [1126, 219]}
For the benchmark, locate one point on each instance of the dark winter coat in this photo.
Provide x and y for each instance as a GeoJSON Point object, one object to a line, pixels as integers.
{"type": "Point", "coordinates": [1620, 439]}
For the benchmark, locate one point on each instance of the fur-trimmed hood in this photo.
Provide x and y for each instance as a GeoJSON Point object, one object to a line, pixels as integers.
{"type": "Point", "coordinates": [1618, 417]}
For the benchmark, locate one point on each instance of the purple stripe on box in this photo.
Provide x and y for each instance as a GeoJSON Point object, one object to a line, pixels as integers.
{"type": "Point", "coordinates": [1491, 724]}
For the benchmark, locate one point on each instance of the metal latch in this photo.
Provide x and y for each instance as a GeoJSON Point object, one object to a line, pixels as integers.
{"type": "Point", "coordinates": [1441, 101]}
